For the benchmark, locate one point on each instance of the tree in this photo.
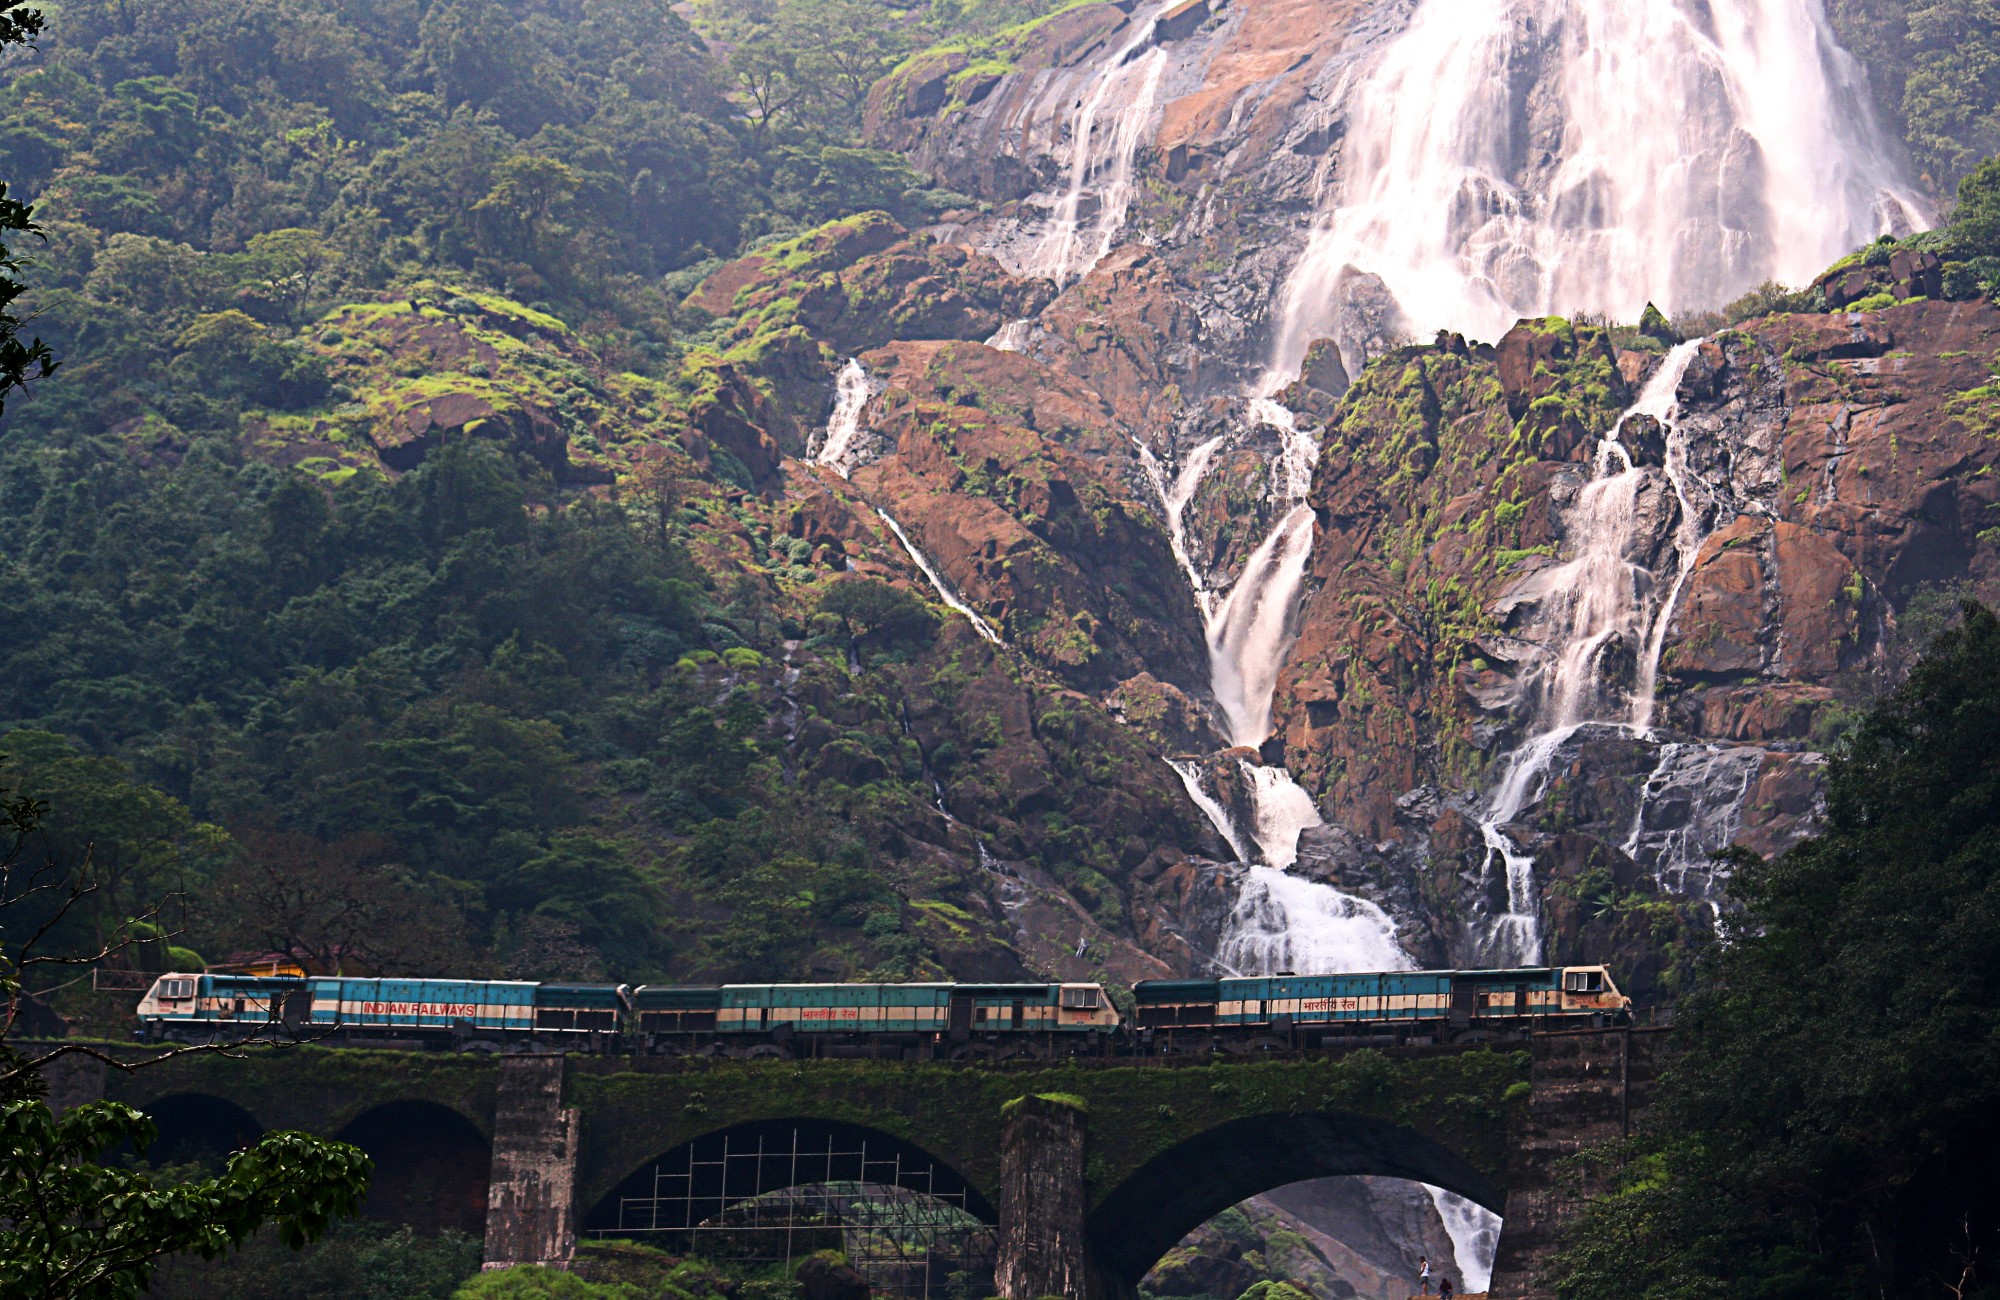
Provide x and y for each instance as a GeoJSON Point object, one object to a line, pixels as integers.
{"type": "Point", "coordinates": [136, 846]}
{"type": "Point", "coordinates": [334, 907]}
{"type": "Point", "coordinates": [289, 267]}
{"type": "Point", "coordinates": [73, 1226]}
{"type": "Point", "coordinates": [663, 483]}
{"type": "Point", "coordinates": [20, 361]}
{"type": "Point", "coordinates": [1975, 221]}
{"type": "Point", "coordinates": [1828, 1123]}
{"type": "Point", "coordinates": [875, 610]}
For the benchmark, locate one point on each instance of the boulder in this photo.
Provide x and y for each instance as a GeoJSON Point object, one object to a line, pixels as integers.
{"type": "Point", "coordinates": [824, 1277]}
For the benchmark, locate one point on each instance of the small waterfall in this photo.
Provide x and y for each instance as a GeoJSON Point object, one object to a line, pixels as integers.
{"type": "Point", "coordinates": [1013, 336]}
{"type": "Point", "coordinates": [1597, 603]}
{"type": "Point", "coordinates": [1283, 813]}
{"type": "Point", "coordinates": [943, 588]}
{"type": "Point", "coordinates": [1520, 157]}
{"type": "Point", "coordinates": [1475, 1237]}
{"type": "Point", "coordinates": [1211, 808]}
{"type": "Point", "coordinates": [1690, 806]}
{"type": "Point", "coordinates": [1072, 244]}
{"type": "Point", "coordinates": [850, 398]}
{"type": "Point", "coordinates": [1249, 631]}
{"type": "Point", "coordinates": [1281, 921]}
{"type": "Point", "coordinates": [1174, 498]}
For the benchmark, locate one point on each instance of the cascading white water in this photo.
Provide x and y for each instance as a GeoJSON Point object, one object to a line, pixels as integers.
{"type": "Point", "coordinates": [1475, 1236]}
{"type": "Point", "coordinates": [1514, 158]}
{"type": "Point", "coordinates": [1072, 244]}
{"type": "Point", "coordinates": [1690, 806]}
{"type": "Point", "coordinates": [1250, 628]}
{"type": "Point", "coordinates": [836, 452]}
{"type": "Point", "coordinates": [1288, 923]}
{"type": "Point", "coordinates": [1599, 600]}
{"type": "Point", "coordinates": [1013, 336]}
{"type": "Point", "coordinates": [1280, 921]}
{"type": "Point", "coordinates": [1174, 499]}
{"type": "Point", "coordinates": [1211, 808]}
{"type": "Point", "coordinates": [851, 392]}
{"type": "Point", "coordinates": [943, 588]}
{"type": "Point", "coordinates": [1282, 811]}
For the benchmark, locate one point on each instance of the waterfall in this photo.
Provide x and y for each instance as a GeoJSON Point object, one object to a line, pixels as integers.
{"type": "Point", "coordinates": [1249, 631]}
{"type": "Point", "coordinates": [1174, 498]}
{"type": "Point", "coordinates": [850, 397]}
{"type": "Point", "coordinates": [1690, 806]}
{"type": "Point", "coordinates": [943, 588]}
{"type": "Point", "coordinates": [1013, 336]}
{"type": "Point", "coordinates": [1280, 921]}
{"type": "Point", "coordinates": [836, 452]}
{"type": "Point", "coordinates": [1596, 604]}
{"type": "Point", "coordinates": [1475, 1236]}
{"type": "Point", "coordinates": [1211, 808]}
{"type": "Point", "coordinates": [1073, 244]}
{"type": "Point", "coordinates": [1516, 158]}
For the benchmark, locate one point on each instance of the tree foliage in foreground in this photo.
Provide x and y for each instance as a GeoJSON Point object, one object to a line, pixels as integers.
{"type": "Point", "coordinates": [1829, 1125]}
{"type": "Point", "coordinates": [73, 1226]}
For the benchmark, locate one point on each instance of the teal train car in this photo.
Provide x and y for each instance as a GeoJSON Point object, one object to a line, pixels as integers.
{"type": "Point", "coordinates": [929, 1021]}
{"type": "Point", "coordinates": [1434, 1005]}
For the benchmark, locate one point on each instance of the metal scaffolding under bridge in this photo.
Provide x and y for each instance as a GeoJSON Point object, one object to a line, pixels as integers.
{"type": "Point", "coordinates": [775, 1196]}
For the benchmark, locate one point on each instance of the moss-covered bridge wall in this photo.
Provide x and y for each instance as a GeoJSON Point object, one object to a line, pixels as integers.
{"type": "Point", "coordinates": [1166, 1145]}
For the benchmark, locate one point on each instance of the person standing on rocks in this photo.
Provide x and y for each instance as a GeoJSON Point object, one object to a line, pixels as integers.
{"type": "Point", "coordinates": [1424, 1274]}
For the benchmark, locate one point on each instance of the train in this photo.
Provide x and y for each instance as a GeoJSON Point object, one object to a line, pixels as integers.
{"type": "Point", "coordinates": [934, 1021]}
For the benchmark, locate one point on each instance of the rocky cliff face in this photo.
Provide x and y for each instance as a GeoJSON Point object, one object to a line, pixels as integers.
{"type": "Point", "coordinates": [1339, 1238]}
{"type": "Point", "coordinates": [1165, 166]}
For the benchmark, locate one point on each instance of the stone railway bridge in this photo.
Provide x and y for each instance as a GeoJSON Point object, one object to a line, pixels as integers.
{"type": "Point", "coordinates": [1090, 1170]}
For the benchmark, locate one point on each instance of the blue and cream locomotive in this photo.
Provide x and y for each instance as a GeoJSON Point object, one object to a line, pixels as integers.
{"type": "Point", "coordinates": [1438, 1006]}
{"type": "Point", "coordinates": [899, 1021]}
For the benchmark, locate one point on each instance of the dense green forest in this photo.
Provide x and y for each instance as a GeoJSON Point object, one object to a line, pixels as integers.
{"type": "Point", "coordinates": [1934, 67]}
{"type": "Point", "coordinates": [497, 727]}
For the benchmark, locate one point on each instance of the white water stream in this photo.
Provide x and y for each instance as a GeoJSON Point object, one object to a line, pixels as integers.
{"type": "Point", "coordinates": [1512, 158]}
{"type": "Point", "coordinates": [851, 391]}
{"type": "Point", "coordinates": [1600, 601]}
{"type": "Point", "coordinates": [1280, 922]}
{"type": "Point", "coordinates": [1100, 160]}
{"type": "Point", "coordinates": [1475, 1235]}
{"type": "Point", "coordinates": [836, 451]}
{"type": "Point", "coordinates": [943, 588]}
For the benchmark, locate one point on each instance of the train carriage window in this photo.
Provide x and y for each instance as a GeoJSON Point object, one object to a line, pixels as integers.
{"type": "Point", "coordinates": [1583, 981]}
{"type": "Point", "coordinates": [1080, 999]}
{"type": "Point", "coordinates": [174, 990]}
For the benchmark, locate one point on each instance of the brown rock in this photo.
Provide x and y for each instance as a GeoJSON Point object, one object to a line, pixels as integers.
{"type": "Point", "coordinates": [824, 1278]}
{"type": "Point", "coordinates": [1718, 629]}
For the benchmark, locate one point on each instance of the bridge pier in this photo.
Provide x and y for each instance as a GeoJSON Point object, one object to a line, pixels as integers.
{"type": "Point", "coordinates": [1043, 1246]}
{"type": "Point", "coordinates": [1590, 1087]}
{"type": "Point", "coordinates": [531, 1202]}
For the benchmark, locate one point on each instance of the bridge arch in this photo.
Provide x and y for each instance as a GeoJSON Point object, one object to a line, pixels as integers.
{"type": "Point", "coordinates": [702, 1178]}
{"type": "Point", "coordinates": [1191, 1182]}
{"type": "Point", "coordinates": [199, 1127]}
{"type": "Point", "coordinates": [431, 1165]}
